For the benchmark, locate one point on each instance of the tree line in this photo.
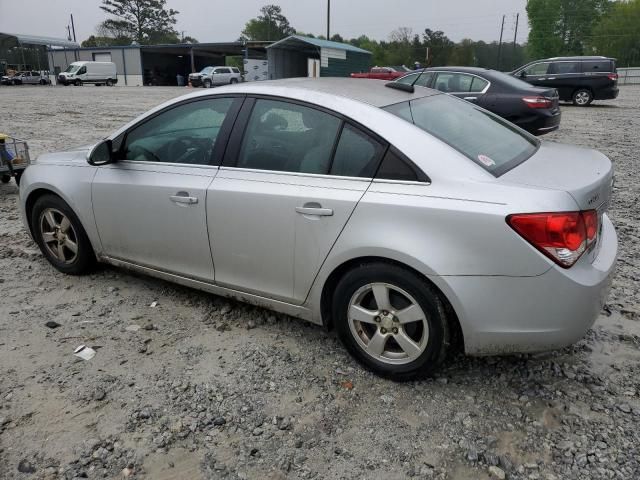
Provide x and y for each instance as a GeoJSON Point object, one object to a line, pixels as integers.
{"type": "Point", "coordinates": [557, 28]}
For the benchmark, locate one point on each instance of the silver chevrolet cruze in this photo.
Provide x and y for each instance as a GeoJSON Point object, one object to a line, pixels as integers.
{"type": "Point", "coordinates": [406, 221]}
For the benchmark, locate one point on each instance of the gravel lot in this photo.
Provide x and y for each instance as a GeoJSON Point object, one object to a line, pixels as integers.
{"type": "Point", "coordinates": [199, 387]}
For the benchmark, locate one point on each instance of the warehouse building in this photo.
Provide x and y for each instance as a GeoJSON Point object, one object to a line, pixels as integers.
{"type": "Point", "coordinates": [29, 52]}
{"type": "Point", "coordinates": [298, 56]}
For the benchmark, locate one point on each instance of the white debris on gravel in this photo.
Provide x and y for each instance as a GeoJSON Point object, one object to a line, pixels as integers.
{"type": "Point", "coordinates": [207, 388]}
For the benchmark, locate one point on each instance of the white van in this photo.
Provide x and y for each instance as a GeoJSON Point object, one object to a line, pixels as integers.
{"type": "Point", "coordinates": [89, 72]}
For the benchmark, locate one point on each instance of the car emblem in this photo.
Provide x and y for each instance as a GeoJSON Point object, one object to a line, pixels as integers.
{"type": "Point", "coordinates": [594, 199]}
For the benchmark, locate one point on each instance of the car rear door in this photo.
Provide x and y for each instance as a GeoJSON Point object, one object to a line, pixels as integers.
{"type": "Point", "coordinates": [274, 211]}
{"type": "Point", "coordinates": [149, 206]}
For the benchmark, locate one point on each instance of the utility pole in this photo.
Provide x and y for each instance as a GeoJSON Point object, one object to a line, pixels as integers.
{"type": "Point", "coordinates": [328, 19]}
{"type": "Point", "coordinates": [515, 40]}
{"type": "Point", "coordinates": [68, 33]}
{"type": "Point", "coordinates": [500, 46]}
{"type": "Point", "coordinates": [73, 28]}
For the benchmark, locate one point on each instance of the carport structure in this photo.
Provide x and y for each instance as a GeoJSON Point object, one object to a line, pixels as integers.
{"type": "Point", "coordinates": [29, 52]}
{"type": "Point", "coordinates": [298, 56]}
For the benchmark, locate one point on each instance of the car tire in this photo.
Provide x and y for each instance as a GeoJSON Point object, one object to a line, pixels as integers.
{"type": "Point", "coordinates": [54, 236]}
{"type": "Point", "coordinates": [5, 178]}
{"type": "Point", "coordinates": [405, 339]}
{"type": "Point", "coordinates": [206, 83]}
{"type": "Point", "coordinates": [109, 83]}
{"type": "Point", "coordinates": [78, 83]}
{"type": "Point", "coordinates": [582, 97]}
{"type": "Point", "coordinates": [233, 80]}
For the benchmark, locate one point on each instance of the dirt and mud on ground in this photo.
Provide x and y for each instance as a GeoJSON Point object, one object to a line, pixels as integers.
{"type": "Point", "coordinates": [197, 387]}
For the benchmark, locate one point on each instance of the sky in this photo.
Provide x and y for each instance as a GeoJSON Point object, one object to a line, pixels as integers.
{"type": "Point", "coordinates": [219, 21]}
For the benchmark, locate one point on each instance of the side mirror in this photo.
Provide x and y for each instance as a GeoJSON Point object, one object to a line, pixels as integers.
{"type": "Point", "coordinates": [101, 154]}
{"type": "Point", "coordinates": [523, 74]}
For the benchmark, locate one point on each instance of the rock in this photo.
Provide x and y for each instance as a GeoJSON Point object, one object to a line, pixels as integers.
{"type": "Point", "coordinates": [25, 466]}
{"type": "Point", "coordinates": [257, 431]}
{"type": "Point", "coordinates": [623, 407]}
{"type": "Point", "coordinates": [251, 325]}
{"type": "Point", "coordinates": [150, 326]}
{"type": "Point", "coordinates": [386, 399]}
{"type": "Point", "coordinates": [472, 455]}
{"type": "Point", "coordinates": [219, 421]}
{"type": "Point", "coordinates": [99, 394]}
{"type": "Point", "coordinates": [132, 328]}
{"type": "Point", "coordinates": [52, 325]}
{"type": "Point", "coordinates": [496, 472]}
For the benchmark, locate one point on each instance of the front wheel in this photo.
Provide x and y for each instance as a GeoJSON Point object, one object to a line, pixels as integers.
{"type": "Point", "coordinates": [207, 83]}
{"type": "Point", "coordinates": [391, 320]}
{"type": "Point", "coordinates": [582, 98]}
{"type": "Point", "coordinates": [60, 236]}
{"type": "Point", "coordinates": [78, 83]}
{"type": "Point", "coordinates": [109, 83]}
{"type": "Point", "coordinates": [233, 80]}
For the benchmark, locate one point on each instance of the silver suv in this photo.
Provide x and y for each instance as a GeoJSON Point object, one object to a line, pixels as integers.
{"type": "Point", "coordinates": [211, 76]}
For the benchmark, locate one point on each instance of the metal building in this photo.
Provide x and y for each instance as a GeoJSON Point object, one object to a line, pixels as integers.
{"type": "Point", "coordinates": [159, 64]}
{"type": "Point", "coordinates": [28, 52]}
{"type": "Point", "coordinates": [298, 56]}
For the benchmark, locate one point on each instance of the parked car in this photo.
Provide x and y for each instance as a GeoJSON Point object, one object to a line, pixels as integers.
{"type": "Point", "coordinates": [382, 73]}
{"type": "Point", "coordinates": [98, 73]}
{"type": "Point", "coordinates": [532, 108]}
{"type": "Point", "coordinates": [402, 220]}
{"type": "Point", "coordinates": [215, 76]}
{"type": "Point", "coordinates": [26, 78]}
{"type": "Point", "coordinates": [580, 80]}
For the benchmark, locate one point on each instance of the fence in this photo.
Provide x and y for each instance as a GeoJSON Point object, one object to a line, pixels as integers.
{"type": "Point", "coordinates": [629, 76]}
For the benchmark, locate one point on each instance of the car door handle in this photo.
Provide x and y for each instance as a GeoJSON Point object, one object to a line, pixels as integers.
{"type": "Point", "coordinates": [183, 198]}
{"type": "Point", "coordinates": [470, 98]}
{"type": "Point", "coordinates": [551, 78]}
{"type": "Point", "coordinates": [314, 209]}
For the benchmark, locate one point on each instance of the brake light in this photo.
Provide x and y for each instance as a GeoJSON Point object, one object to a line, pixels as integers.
{"type": "Point", "coordinates": [538, 102]}
{"type": "Point", "coordinates": [563, 237]}
{"type": "Point", "coordinates": [613, 76]}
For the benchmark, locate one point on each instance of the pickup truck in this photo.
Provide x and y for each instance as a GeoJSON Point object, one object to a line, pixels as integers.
{"type": "Point", "coordinates": [383, 73]}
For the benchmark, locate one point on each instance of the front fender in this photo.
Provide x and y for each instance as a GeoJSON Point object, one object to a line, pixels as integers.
{"type": "Point", "coordinates": [71, 183]}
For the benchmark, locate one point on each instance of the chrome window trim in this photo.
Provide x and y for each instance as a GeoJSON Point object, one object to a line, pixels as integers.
{"type": "Point", "coordinates": [170, 164]}
{"type": "Point", "coordinates": [298, 174]}
{"type": "Point", "coordinates": [465, 73]}
{"type": "Point", "coordinates": [400, 182]}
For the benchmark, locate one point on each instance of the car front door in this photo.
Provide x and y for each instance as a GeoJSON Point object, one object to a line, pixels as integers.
{"type": "Point", "coordinates": [221, 76]}
{"type": "Point", "coordinates": [292, 176]}
{"type": "Point", "coordinates": [536, 74]}
{"type": "Point", "coordinates": [149, 206]}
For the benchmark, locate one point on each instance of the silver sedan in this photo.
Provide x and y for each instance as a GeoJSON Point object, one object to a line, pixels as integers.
{"type": "Point", "coordinates": [410, 222]}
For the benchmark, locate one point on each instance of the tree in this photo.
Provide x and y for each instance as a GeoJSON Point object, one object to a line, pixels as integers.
{"type": "Point", "coordinates": [145, 21]}
{"type": "Point", "coordinates": [618, 33]}
{"type": "Point", "coordinates": [463, 54]}
{"type": "Point", "coordinates": [270, 25]}
{"type": "Point", "coordinates": [439, 47]}
{"type": "Point", "coordinates": [101, 41]}
{"type": "Point", "coordinates": [562, 27]}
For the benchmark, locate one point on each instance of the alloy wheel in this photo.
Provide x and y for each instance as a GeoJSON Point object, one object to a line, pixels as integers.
{"type": "Point", "coordinates": [58, 235]}
{"type": "Point", "coordinates": [388, 323]}
{"type": "Point", "coordinates": [582, 98]}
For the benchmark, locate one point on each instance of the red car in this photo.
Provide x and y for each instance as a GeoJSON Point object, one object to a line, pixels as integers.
{"type": "Point", "coordinates": [383, 73]}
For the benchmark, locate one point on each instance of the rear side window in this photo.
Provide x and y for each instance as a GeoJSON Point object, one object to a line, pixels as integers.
{"type": "Point", "coordinates": [478, 85]}
{"type": "Point", "coordinates": [394, 167]}
{"type": "Point", "coordinates": [561, 68]}
{"type": "Point", "coordinates": [594, 67]}
{"type": "Point", "coordinates": [423, 81]}
{"type": "Point", "coordinates": [357, 154]}
{"type": "Point", "coordinates": [488, 140]}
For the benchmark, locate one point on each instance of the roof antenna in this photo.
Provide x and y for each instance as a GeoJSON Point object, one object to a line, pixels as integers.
{"type": "Point", "coordinates": [405, 87]}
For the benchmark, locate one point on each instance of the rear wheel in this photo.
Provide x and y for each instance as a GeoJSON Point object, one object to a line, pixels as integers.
{"type": "Point", "coordinates": [582, 98]}
{"type": "Point", "coordinates": [391, 320]}
{"type": "Point", "coordinates": [60, 236]}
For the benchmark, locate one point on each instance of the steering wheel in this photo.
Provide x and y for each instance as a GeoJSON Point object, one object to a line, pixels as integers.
{"type": "Point", "coordinates": [145, 152]}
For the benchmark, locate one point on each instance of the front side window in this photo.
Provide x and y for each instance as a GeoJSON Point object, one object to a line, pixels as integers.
{"type": "Point", "coordinates": [82, 71]}
{"type": "Point", "coordinates": [207, 71]}
{"type": "Point", "coordinates": [72, 68]}
{"type": "Point", "coordinates": [488, 140]}
{"type": "Point", "coordinates": [184, 134]}
{"type": "Point", "coordinates": [537, 69]}
{"type": "Point", "coordinates": [357, 154]}
{"type": "Point", "coordinates": [561, 68]}
{"type": "Point", "coordinates": [287, 137]}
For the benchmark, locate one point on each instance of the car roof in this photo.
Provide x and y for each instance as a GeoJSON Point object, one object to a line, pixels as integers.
{"type": "Point", "coordinates": [577, 58]}
{"type": "Point", "coordinates": [476, 70]}
{"type": "Point", "coordinates": [371, 92]}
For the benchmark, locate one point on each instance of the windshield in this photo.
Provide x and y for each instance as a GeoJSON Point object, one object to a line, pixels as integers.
{"type": "Point", "coordinates": [207, 70]}
{"type": "Point", "coordinates": [72, 68]}
{"type": "Point", "coordinates": [488, 140]}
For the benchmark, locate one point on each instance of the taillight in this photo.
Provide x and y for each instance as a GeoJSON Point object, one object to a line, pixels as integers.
{"type": "Point", "coordinates": [613, 76]}
{"type": "Point", "coordinates": [538, 102]}
{"type": "Point", "coordinates": [563, 237]}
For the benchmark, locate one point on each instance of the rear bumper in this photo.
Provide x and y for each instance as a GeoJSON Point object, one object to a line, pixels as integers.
{"type": "Point", "coordinates": [500, 315]}
{"type": "Point", "coordinates": [607, 93]}
{"type": "Point", "coordinates": [543, 121]}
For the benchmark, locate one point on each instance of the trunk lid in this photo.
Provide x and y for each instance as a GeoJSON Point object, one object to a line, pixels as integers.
{"type": "Point", "coordinates": [585, 174]}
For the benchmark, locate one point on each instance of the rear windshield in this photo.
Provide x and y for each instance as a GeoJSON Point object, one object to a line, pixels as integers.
{"type": "Point", "coordinates": [488, 140]}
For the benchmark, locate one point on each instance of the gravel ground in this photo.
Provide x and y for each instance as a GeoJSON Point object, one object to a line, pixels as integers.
{"type": "Point", "coordinates": [200, 387]}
